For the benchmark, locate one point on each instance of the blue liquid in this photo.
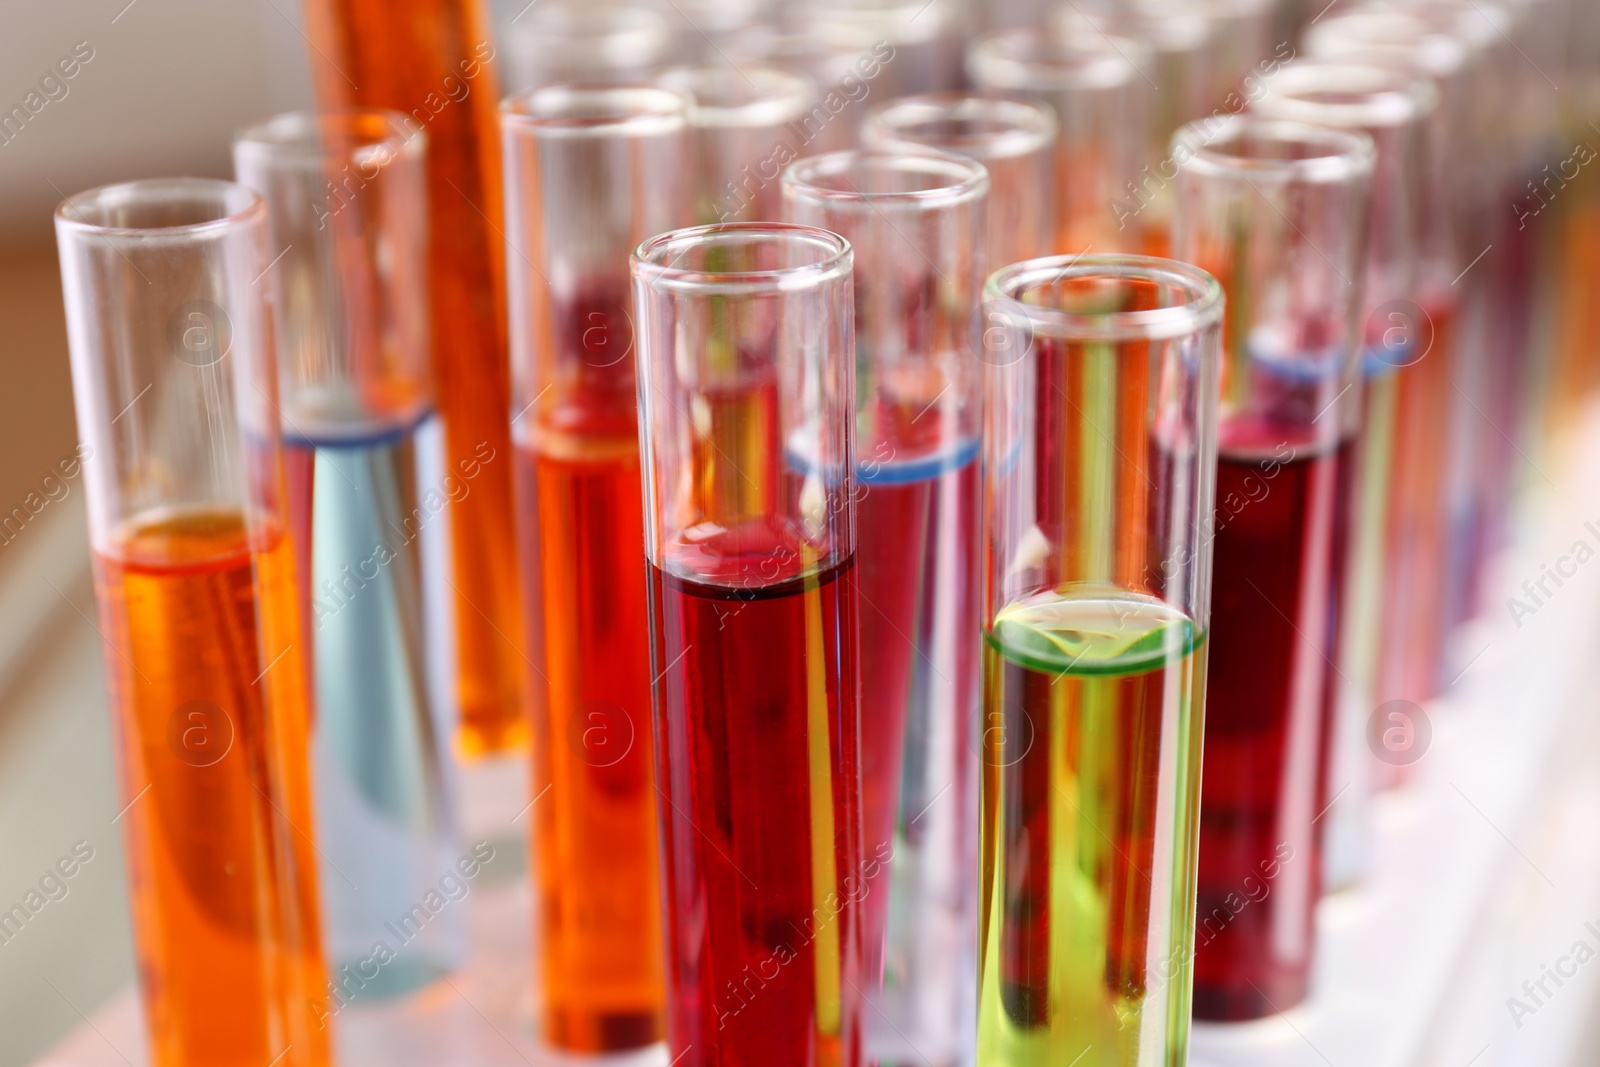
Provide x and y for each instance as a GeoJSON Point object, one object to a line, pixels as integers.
{"type": "Point", "coordinates": [375, 549]}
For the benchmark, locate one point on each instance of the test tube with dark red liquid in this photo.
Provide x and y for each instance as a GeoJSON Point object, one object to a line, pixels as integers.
{"type": "Point", "coordinates": [747, 398]}
{"type": "Point", "coordinates": [174, 377]}
{"type": "Point", "coordinates": [590, 172]}
{"type": "Point", "coordinates": [916, 224]}
{"type": "Point", "coordinates": [1278, 212]}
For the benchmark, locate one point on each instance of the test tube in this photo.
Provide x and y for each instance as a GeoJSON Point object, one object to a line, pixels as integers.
{"type": "Point", "coordinates": [434, 61]}
{"type": "Point", "coordinates": [919, 41]}
{"type": "Point", "coordinates": [746, 125]}
{"type": "Point", "coordinates": [590, 172]}
{"type": "Point", "coordinates": [1014, 140]}
{"type": "Point", "coordinates": [1180, 78]}
{"type": "Point", "coordinates": [550, 43]}
{"type": "Point", "coordinates": [1455, 215]}
{"type": "Point", "coordinates": [367, 491]}
{"type": "Point", "coordinates": [846, 76]}
{"type": "Point", "coordinates": [194, 572]}
{"type": "Point", "coordinates": [1242, 40]}
{"type": "Point", "coordinates": [747, 393]}
{"type": "Point", "coordinates": [1099, 458]}
{"type": "Point", "coordinates": [1099, 98]}
{"type": "Point", "coordinates": [1394, 643]}
{"type": "Point", "coordinates": [1278, 212]}
{"type": "Point", "coordinates": [916, 225]}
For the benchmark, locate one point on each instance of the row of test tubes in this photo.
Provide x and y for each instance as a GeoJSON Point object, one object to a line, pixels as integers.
{"type": "Point", "coordinates": [871, 510]}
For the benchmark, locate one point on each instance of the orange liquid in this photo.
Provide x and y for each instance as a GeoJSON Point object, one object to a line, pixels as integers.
{"type": "Point", "coordinates": [594, 823]}
{"type": "Point", "coordinates": [209, 698]}
{"type": "Point", "coordinates": [432, 60]}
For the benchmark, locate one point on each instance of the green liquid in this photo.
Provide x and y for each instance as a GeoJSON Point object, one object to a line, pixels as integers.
{"type": "Point", "coordinates": [1092, 714]}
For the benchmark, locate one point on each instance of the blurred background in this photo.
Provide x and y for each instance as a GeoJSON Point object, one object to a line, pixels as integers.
{"type": "Point", "coordinates": [165, 84]}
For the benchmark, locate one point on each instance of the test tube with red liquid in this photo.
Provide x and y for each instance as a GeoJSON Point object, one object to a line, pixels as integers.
{"type": "Point", "coordinates": [747, 398]}
{"type": "Point", "coordinates": [174, 379]}
{"type": "Point", "coordinates": [1457, 216]}
{"type": "Point", "coordinates": [1278, 212]}
{"type": "Point", "coordinates": [1394, 633]}
{"type": "Point", "coordinates": [590, 172]}
{"type": "Point", "coordinates": [916, 224]}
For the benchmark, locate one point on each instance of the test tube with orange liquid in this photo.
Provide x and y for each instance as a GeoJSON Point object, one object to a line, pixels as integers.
{"type": "Point", "coordinates": [175, 384]}
{"type": "Point", "coordinates": [591, 172]}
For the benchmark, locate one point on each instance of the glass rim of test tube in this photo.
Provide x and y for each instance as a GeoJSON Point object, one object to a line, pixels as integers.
{"type": "Point", "coordinates": [1388, 37]}
{"type": "Point", "coordinates": [1230, 147]}
{"type": "Point", "coordinates": [992, 125]}
{"type": "Point", "coordinates": [625, 25]}
{"type": "Point", "coordinates": [237, 205]}
{"type": "Point", "coordinates": [657, 261]}
{"type": "Point", "coordinates": [1345, 93]}
{"type": "Point", "coordinates": [1201, 308]}
{"type": "Point", "coordinates": [819, 178]}
{"type": "Point", "coordinates": [302, 136]}
{"type": "Point", "coordinates": [597, 109]}
{"type": "Point", "coordinates": [1038, 60]}
{"type": "Point", "coordinates": [725, 98]}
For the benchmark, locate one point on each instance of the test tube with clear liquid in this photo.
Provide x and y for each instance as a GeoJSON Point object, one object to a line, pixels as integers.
{"type": "Point", "coordinates": [369, 490]}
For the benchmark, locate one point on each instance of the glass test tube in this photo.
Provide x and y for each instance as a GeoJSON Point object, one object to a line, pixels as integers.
{"type": "Point", "coordinates": [590, 172]}
{"type": "Point", "coordinates": [919, 41]}
{"type": "Point", "coordinates": [1278, 212]}
{"type": "Point", "coordinates": [747, 124]}
{"type": "Point", "coordinates": [433, 60]}
{"type": "Point", "coordinates": [1099, 460]}
{"type": "Point", "coordinates": [916, 225]}
{"type": "Point", "coordinates": [1241, 40]}
{"type": "Point", "coordinates": [1181, 77]}
{"type": "Point", "coordinates": [550, 43]}
{"type": "Point", "coordinates": [1099, 98]}
{"type": "Point", "coordinates": [194, 573]}
{"type": "Point", "coordinates": [1014, 140]}
{"type": "Point", "coordinates": [747, 392]}
{"type": "Point", "coordinates": [1454, 214]}
{"type": "Point", "coordinates": [1394, 638]}
{"type": "Point", "coordinates": [845, 77]}
{"type": "Point", "coordinates": [367, 487]}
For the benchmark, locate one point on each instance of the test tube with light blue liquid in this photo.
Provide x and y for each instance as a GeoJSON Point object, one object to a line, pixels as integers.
{"type": "Point", "coordinates": [369, 503]}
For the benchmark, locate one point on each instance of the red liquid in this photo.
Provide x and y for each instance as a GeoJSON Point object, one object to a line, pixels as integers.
{"type": "Point", "coordinates": [756, 724]}
{"type": "Point", "coordinates": [1417, 586]}
{"type": "Point", "coordinates": [1279, 560]}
